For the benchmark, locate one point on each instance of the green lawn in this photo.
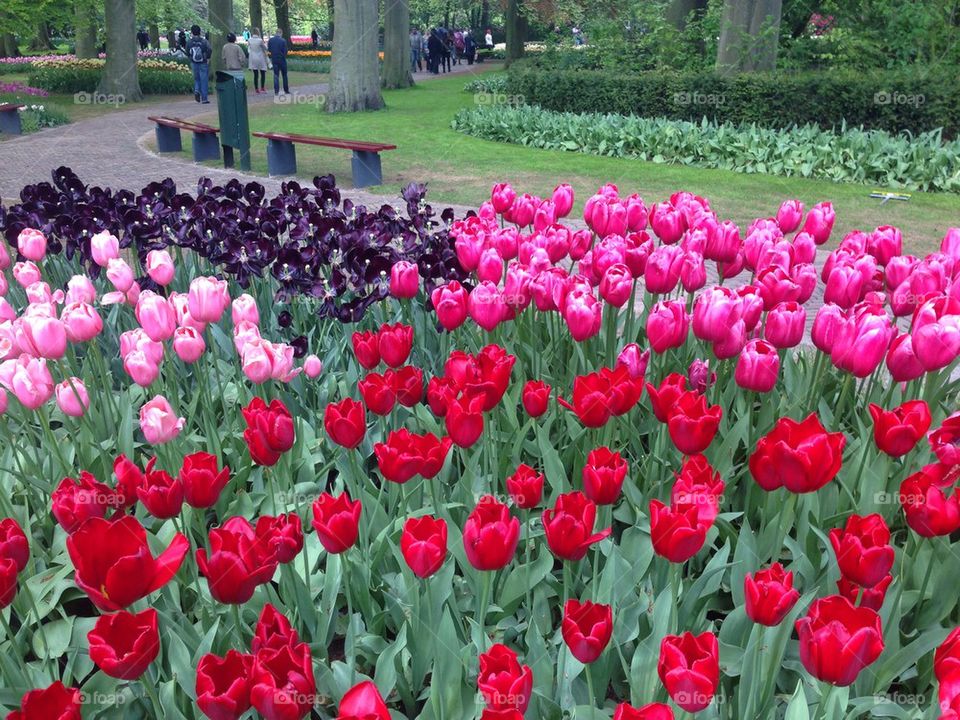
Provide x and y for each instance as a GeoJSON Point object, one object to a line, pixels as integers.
{"type": "Point", "coordinates": [461, 169]}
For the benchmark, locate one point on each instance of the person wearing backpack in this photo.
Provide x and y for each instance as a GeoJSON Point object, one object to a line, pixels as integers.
{"type": "Point", "coordinates": [199, 52]}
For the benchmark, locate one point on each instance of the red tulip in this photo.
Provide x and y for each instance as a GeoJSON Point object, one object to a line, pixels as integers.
{"type": "Point", "coordinates": [623, 390]}
{"type": "Point", "coordinates": [282, 684]}
{"type": "Point", "coordinates": [586, 629]}
{"type": "Point", "coordinates": [13, 543]}
{"type": "Point", "coordinates": [114, 565]}
{"type": "Point", "coordinates": [689, 668]}
{"type": "Point", "coordinates": [273, 630]}
{"type": "Point", "coordinates": [424, 544]}
{"type": "Point", "coordinates": [407, 383]}
{"type": "Point", "coordinates": [366, 348]}
{"type": "Point", "coordinates": [525, 487]}
{"type": "Point", "coordinates": [535, 397]}
{"type": "Point", "coordinates": [568, 526]}
{"type": "Point", "coordinates": [929, 511]}
{"type": "Point", "coordinates": [603, 475]}
{"type": "Point", "coordinates": [676, 531]}
{"type": "Point", "coordinates": [769, 595]}
{"type": "Point", "coordinates": [74, 501]}
{"type": "Point", "coordinates": [8, 581]}
{"type": "Point", "coordinates": [363, 702]}
{"type": "Point", "coordinates": [378, 392]}
{"type": "Point", "coordinates": [201, 479]}
{"type": "Point", "coordinates": [395, 343]}
{"type": "Point", "coordinates": [871, 598]}
{"type": "Point", "coordinates": [490, 535]}
{"type": "Point", "coordinates": [270, 431]}
{"type": "Point", "coordinates": [399, 458]}
{"type": "Point", "coordinates": [129, 479]}
{"type": "Point", "coordinates": [282, 534]}
{"type": "Point", "coordinates": [493, 366]}
{"type": "Point", "coordinates": [699, 484]}
{"type": "Point", "coordinates": [161, 494]}
{"type": "Point", "coordinates": [863, 549]}
{"type": "Point", "coordinates": [54, 702]}
{"type": "Point", "coordinates": [653, 711]}
{"type": "Point", "coordinates": [345, 422]}
{"type": "Point", "coordinates": [801, 456]}
{"type": "Point", "coordinates": [691, 424]}
{"type": "Point", "coordinates": [223, 685]}
{"type": "Point", "coordinates": [838, 640]}
{"type": "Point", "coordinates": [946, 660]}
{"type": "Point", "coordinates": [504, 682]}
{"type": "Point", "coordinates": [663, 398]}
{"type": "Point", "coordinates": [337, 521]}
{"type": "Point", "coordinates": [464, 418]}
{"type": "Point", "coordinates": [591, 401]}
{"type": "Point", "coordinates": [441, 391]}
{"type": "Point", "coordinates": [237, 563]}
{"type": "Point", "coordinates": [945, 440]}
{"type": "Point", "coordinates": [123, 644]}
{"type": "Point", "coordinates": [897, 431]}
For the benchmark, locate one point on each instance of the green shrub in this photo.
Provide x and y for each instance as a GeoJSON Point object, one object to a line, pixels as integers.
{"type": "Point", "coordinates": [875, 101]}
{"type": "Point", "coordinates": [922, 162]}
{"type": "Point", "coordinates": [310, 65]}
{"type": "Point", "coordinates": [487, 83]}
{"type": "Point", "coordinates": [36, 113]}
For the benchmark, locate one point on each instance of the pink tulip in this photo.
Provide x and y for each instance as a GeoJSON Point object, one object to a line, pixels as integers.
{"type": "Point", "coordinates": [523, 210]}
{"type": "Point", "coordinates": [39, 294]}
{"type": "Point", "coordinates": [257, 361]}
{"type": "Point", "coordinates": [506, 241]}
{"type": "Point", "coordinates": [404, 279]}
{"type": "Point", "coordinates": [862, 342]}
{"type": "Point", "coordinates": [885, 243]}
{"type": "Point", "coordinates": [32, 244]}
{"type": "Point", "coordinates": [245, 332]}
{"type": "Point", "coordinates": [42, 336]}
{"type": "Point", "coordinates": [141, 368]}
{"type": "Point", "coordinates": [81, 322]}
{"type": "Point", "coordinates": [156, 316]}
{"type": "Point", "coordinates": [137, 339]}
{"type": "Point", "coordinates": [26, 273]}
{"type": "Point", "coordinates": [723, 242]}
{"type": "Point", "coordinates": [950, 245]}
{"type": "Point", "coordinates": [580, 243]}
{"type": "Point", "coordinates": [789, 215]}
{"type": "Point", "coordinates": [468, 250]}
{"type": "Point", "coordinates": [158, 421]}
{"type": "Point", "coordinates": [667, 222]}
{"type": "Point", "coordinates": [502, 197]}
{"type": "Point", "coordinates": [450, 303]}
{"type": "Point", "coordinates": [7, 313]}
{"type": "Point", "coordinates": [583, 315]}
{"type": "Point", "coordinates": [902, 362]}
{"type": "Point", "coordinates": [757, 366]}
{"type": "Point", "coordinates": [181, 305]}
{"type": "Point", "coordinates": [662, 272]}
{"type": "Point", "coordinates": [72, 398]}
{"type": "Point", "coordinates": [490, 266]}
{"type": "Point", "coordinates": [80, 290]}
{"type": "Point", "coordinates": [819, 222]}
{"type": "Point", "coordinates": [693, 272]}
{"type": "Point", "coordinates": [898, 270]}
{"type": "Point", "coordinates": [244, 309]}
{"type": "Point", "coordinates": [104, 247]}
{"type": "Point", "coordinates": [636, 213]}
{"type": "Point", "coordinates": [207, 299]}
{"type": "Point", "coordinates": [715, 310]}
{"type": "Point", "coordinates": [160, 267]}
{"type": "Point", "coordinates": [312, 367]}
{"type": "Point", "coordinates": [188, 344]}
{"type": "Point", "coordinates": [634, 360]}
{"type": "Point", "coordinates": [784, 325]}
{"type": "Point", "coordinates": [612, 250]}
{"type": "Point", "coordinates": [485, 305]}
{"type": "Point", "coordinates": [4, 285]}
{"type": "Point", "coordinates": [120, 274]}
{"type": "Point", "coordinates": [936, 334]}
{"type": "Point", "coordinates": [4, 256]}
{"type": "Point", "coordinates": [516, 288]}
{"type": "Point", "coordinates": [544, 216]}
{"type": "Point", "coordinates": [3, 401]}
{"type": "Point", "coordinates": [616, 285]}
{"type": "Point", "coordinates": [667, 325]}
{"type": "Point", "coordinates": [28, 379]}
{"type": "Point", "coordinates": [731, 344]}
{"type": "Point", "coordinates": [562, 200]}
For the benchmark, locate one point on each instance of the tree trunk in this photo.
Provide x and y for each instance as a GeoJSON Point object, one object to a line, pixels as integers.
{"type": "Point", "coordinates": [354, 67]}
{"type": "Point", "coordinates": [86, 29]}
{"type": "Point", "coordinates": [484, 16]}
{"type": "Point", "coordinates": [749, 36]}
{"type": "Point", "coordinates": [8, 45]}
{"type": "Point", "coordinates": [678, 12]}
{"type": "Point", "coordinates": [283, 19]}
{"type": "Point", "coordinates": [734, 35]}
{"type": "Point", "coordinates": [764, 35]}
{"type": "Point", "coordinates": [221, 22]}
{"type": "Point", "coordinates": [516, 30]}
{"type": "Point", "coordinates": [329, 19]}
{"type": "Point", "coordinates": [396, 44]}
{"type": "Point", "coordinates": [153, 29]}
{"type": "Point", "coordinates": [120, 72]}
{"type": "Point", "coordinates": [42, 40]}
{"type": "Point", "coordinates": [256, 16]}
{"type": "Point", "coordinates": [171, 39]}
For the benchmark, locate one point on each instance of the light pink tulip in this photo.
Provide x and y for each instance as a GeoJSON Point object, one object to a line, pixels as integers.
{"type": "Point", "coordinates": [244, 308]}
{"type": "Point", "coordinates": [120, 274]}
{"type": "Point", "coordinates": [104, 247]}
{"type": "Point", "coordinates": [26, 273]}
{"type": "Point", "coordinates": [160, 267]}
{"type": "Point", "coordinates": [156, 316]}
{"type": "Point", "coordinates": [81, 322]}
{"type": "Point", "coordinates": [28, 379]}
{"type": "Point", "coordinates": [39, 293]}
{"type": "Point", "coordinates": [159, 422]}
{"type": "Point", "coordinates": [32, 244]}
{"type": "Point", "coordinates": [4, 256]}
{"type": "Point", "coordinates": [188, 344]}
{"type": "Point", "coordinates": [4, 285]}
{"type": "Point", "coordinates": [3, 401]}
{"type": "Point", "coordinates": [244, 332]}
{"type": "Point", "coordinates": [207, 299]}
{"type": "Point", "coordinates": [137, 339]}
{"type": "Point", "coordinates": [72, 398]}
{"type": "Point", "coordinates": [80, 290]}
{"type": "Point", "coordinates": [312, 367]}
{"type": "Point", "coordinates": [7, 313]}
{"type": "Point", "coordinates": [42, 336]}
{"type": "Point", "coordinates": [141, 368]}
{"type": "Point", "coordinates": [181, 305]}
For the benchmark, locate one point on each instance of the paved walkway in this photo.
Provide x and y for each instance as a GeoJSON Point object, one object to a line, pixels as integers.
{"type": "Point", "coordinates": [110, 150]}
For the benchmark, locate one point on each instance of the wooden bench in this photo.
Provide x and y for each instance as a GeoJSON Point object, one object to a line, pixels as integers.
{"type": "Point", "coordinates": [282, 156]}
{"type": "Point", "coordinates": [10, 119]}
{"type": "Point", "coordinates": [205, 145]}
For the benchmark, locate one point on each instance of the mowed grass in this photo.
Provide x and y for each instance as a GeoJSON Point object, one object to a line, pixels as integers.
{"type": "Point", "coordinates": [460, 169]}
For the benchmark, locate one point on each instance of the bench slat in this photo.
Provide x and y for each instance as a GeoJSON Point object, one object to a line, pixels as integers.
{"type": "Point", "coordinates": [8, 107]}
{"type": "Point", "coordinates": [182, 124]}
{"type": "Point", "coordinates": [360, 145]}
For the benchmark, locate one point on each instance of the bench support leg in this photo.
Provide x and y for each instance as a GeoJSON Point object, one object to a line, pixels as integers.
{"type": "Point", "coordinates": [205, 147]}
{"type": "Point", "coordinates": [228, 156]}
{"type": "Point", "coordinates": [366, 169]}
{"type": "Point", "coordinates": [10, 122]}
{"type": "Point", "coordinates": [168, 139]}
{"type": "Point", "coordinates": [281, 158]}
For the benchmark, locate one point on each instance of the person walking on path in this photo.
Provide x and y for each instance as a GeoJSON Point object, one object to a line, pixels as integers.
{"type": "Point", "coordinates": [258, 61]}
{"type": "Point", "coordinates": [199, 53]}
{"type": "Point", "coordinates": [314, 38]}
{"type": "Point", "coordinates": [277, 47]}
{"type": "Point", "coordinates": [469, 47]}
{"type": "Point", "coordinates": [232, 55]}
{"type": "Point", "coordinates": [415, 42]}
{"type": "Point", "coordinates": [436, 51]}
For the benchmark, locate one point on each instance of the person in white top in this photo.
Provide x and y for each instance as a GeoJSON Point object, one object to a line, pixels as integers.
{"type": "Point", "coordinates": [258, 61]}
{"type": "Point", "coordinates": [488, 40]}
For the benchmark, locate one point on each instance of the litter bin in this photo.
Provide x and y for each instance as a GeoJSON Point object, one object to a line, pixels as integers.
{"type": "Point", "coordinates": [234, 123]}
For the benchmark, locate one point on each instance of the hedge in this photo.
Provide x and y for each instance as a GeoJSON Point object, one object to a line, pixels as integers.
{"type": "Point", "coordinates": [894, 102]}
{"type": "Point", "coordinates": [922, 162]}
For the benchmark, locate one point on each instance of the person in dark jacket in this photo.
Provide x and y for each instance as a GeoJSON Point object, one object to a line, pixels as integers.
{"type": "Point", "coordinates": [277, 47]}
{"type": "Point", "coordinates": [435, 48]}
{"type": "Point", "coordinates": [314, 38]}
{"type": "Point", "coordinates": [182, 40]}
{"type": "Point", "coordinates": [469, 47]}
{"type": "Point", "coordinates": [199, 51]}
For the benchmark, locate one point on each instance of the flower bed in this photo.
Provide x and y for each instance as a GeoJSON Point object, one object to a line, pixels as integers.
{"type": "Point", "coordinates": [555, 471]}
{"type": "Point", "coordinates": [156, 77]}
